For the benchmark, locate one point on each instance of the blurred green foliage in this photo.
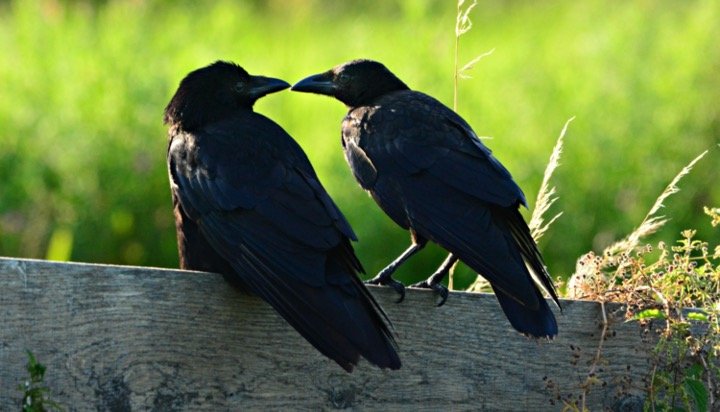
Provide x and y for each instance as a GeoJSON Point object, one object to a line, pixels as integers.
{"type": "Point", "coordinates": [84, 84]}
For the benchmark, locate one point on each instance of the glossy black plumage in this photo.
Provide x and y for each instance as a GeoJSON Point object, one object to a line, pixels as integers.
{"type": "Point", "coordinates": [427, 169]}
{"type": "Point", "coordinates": [249, 205]}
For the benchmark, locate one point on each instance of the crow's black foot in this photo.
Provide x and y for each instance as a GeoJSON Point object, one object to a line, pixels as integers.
{"type": "Point", "coordinates": [437, 287]}
{"type": "Point", "coordinates": [389, 281]}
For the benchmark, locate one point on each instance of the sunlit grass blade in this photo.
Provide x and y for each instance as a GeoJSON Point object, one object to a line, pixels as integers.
{"type": "Point", "coordinates": [463, 71]}
{"type": "Point", "coordinates": [546, 195]}
{"type": "Point", "coordinates": [463, 24]}
{"type": "Point", "coordinates": [651, 223]}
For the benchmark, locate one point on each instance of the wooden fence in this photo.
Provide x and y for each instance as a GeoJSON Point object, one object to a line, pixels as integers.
{"type": "Point", "coordinates": [144, 339]}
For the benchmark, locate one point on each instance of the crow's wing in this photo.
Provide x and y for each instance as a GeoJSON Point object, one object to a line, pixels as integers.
{"type": "Point", "coordinates": [257, 201]}
{"type": "Point", "coordinates": [424, 135]}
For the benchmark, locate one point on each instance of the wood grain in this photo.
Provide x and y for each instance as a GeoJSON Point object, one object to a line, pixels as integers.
{"type": "Point", "coordinates": [144, 339]}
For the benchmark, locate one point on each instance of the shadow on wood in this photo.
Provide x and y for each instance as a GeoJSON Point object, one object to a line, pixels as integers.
{"type": "Point", "coordinates": [131, 338]}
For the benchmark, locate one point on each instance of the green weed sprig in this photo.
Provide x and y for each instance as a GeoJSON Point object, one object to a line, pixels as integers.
{"type": "Point", "coordinates": [35, 393]}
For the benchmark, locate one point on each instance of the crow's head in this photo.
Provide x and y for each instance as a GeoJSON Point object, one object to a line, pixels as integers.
{"type": "Point", "coordinates": [211, 93]}
{"type": "Point", "coordinates": [355, 83]}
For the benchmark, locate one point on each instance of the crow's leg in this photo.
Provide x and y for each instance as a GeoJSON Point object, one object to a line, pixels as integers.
{"type": "Point", "coordinates": [433, 282]}
{"type": "Point", "coordinates": [385, 275]}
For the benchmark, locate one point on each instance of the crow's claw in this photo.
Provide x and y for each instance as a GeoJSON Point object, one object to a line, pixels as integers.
{"type": "Point", "coordinates": [438, 288]}
{"type": "Point", "coordinates": [389, 281]}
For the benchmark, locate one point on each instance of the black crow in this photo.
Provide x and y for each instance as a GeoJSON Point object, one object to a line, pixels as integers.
{"type": "Point", "coordinates": [427, 169]}
{"type": "Point", "coordinates": [249, 205]}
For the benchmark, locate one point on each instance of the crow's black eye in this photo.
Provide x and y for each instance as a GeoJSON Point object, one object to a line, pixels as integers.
{"type": "Point", "coordinates": [342, 78]}
{"type": "Point", "coordinates": [239, 86]}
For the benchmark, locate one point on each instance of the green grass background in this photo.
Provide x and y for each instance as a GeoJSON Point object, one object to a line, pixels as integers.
{"type": "Point", "coordinates": [83, 86]}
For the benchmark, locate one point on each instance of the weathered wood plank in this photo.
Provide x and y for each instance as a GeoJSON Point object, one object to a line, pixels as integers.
{"type": "Point", "coordinates": [129, 338]}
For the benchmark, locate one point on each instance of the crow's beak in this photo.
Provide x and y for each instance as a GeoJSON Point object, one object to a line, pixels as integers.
{"type": "Point", "coordinates": [317, 83]}
{"type": "Point", "coordinates": [261, 86]}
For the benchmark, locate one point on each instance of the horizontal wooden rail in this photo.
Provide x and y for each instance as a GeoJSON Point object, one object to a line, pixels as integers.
{"type": "Point", "coordinates": [131, 338]}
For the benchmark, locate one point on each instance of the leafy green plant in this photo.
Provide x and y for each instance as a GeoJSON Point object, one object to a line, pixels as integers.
{"type": "Point", "coordinates": [35, 393]}
{"type": "Point", "coordinates": [686, 372]}
{"type": "Point", "coordinates": [677, 284]}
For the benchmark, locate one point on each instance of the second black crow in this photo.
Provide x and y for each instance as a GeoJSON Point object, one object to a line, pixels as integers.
{"type": "Point", "coordinates": [426, 168]}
